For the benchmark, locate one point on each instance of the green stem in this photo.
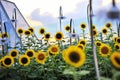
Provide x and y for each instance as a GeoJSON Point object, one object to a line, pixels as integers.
{"type": "Point", "coordinates": [83, 34]}
{"type": "Point", "coordinates": [74, 74]}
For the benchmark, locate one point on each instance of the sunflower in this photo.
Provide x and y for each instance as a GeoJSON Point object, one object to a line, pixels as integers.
{"type": "Point", "coordinates": [31, 30]}
{"type": "Point", "coordinates": [74, 56]}
{"type": "Point", "coordinates": [117, 46]}
{"type": "Point", "coordinates": [47, 36]}
{"type": "Point", "coordinates": [20, 31]}
{"type": "Point", "coordinates": [95, 33]}
{"type": "Point", "coordinates": [27, 32]}
{"type": "Point", "coordinates": [83, 25]}
{"type": "Point", "coordinates": [14, 53]}
{"type": "Point", "coordinates": [8, 61]}
{"type": "Point", "coordinates": [104, 31]}
{"type": "Point", "coordinates": [115, 59]}
{"type": "Point", "coordinates": [40, 57]}
{"type": "Point", "coordinates": [59, 36]}
{"type": "Point", "coordinates": [105, 50]}
{"type": "Point", "coordinates": [98, 43]}
{"type": "Point", "coordinates": [1, 63]}
{"type": "Point", "coordinates": [24, 60]}
{"type": "Point", "coordinates": [82, 41]}
{"type": "Point", "coordinates": [118, 40]}
{"type": "Point", "coordinates": [108, 25]}
{"type": "Point", "coordinates": [30, 53]}
{"type": "Point", "coordinates": [67, 28]}
{"type": "Point", "coordinates": [81, 46]}
{"type": "Point", "coordinates": [53, 50]}
{"type": "Point", "coordinates": [115, 39]}
{"type": "Point", "coordinates": [5, 34]}
{"type": "Point", "coordinates": [94, 27]}
{"type": "Point", "coordinates": [42, 31]}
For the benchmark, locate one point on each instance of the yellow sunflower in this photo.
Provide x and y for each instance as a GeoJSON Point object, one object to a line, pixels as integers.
{"type": "Point", "coordinates": [108, 25]}
{"type": "Point", "coordinates": [82, 41]}
{"type": "Point", "coordinates": [24, 60]}
{"type": "Point", "coordinates": [95, 33]}
{"type": "Point", "coordinates": [115, 59]}
{"type": "Point", "coordinates": [105, 50]}
{"type": "Point", "coordinates": [27, 32]}
{"type": "Point", "coordinates": [42, 31]}
{"type": "Point", "coordinates": [83, 25]}
{"type": "Point", "coordinates": [8, 61]}
{"type": "Point", "coordinates": [104, 31]}
{"type": "Point", "coordinates": [81, 46]}
{"type": "Point", "coordinates": [53, 50]}
{"type": "Point", "coordinates": [118, 40]}
{"type": "Point", "coordinates": [114, 39]}
{"type": "Point", "coordinates": [117, 46]}
{"type": "Point", "coordinates": [1, 63]}
{"type": "Point", "coordinates": [14, 53]}
{"type": "Point", "coordinates": [20, 31]}
{"type": "Point", "coordinates": [5, 34]}
{"type": "Point", "coordinates": [59, 36]}
{"type": "Point", "coordinates": [30, 53]}
{"type": "Point", "coordinates": [98, 43]}
{"type": "Point", "coordinates": [67, 28]}
{"type": "Point", "coordinates": [74, 56]}
{"type": "Point", "coordinates": [40, 57]}
{"type": "Point", "coordinates": [94, 27]}
{"type": "Point", "coordinates": [31, 30]}
{"type": "Point", "coordinates": [47, 36]}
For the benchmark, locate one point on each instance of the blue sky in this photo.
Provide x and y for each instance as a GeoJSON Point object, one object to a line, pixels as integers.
{"type": "Point", "coordinates": [44, 13]}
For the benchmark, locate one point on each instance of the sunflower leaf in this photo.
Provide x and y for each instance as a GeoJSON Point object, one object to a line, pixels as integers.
{"type": "Point", "coordinates": [68, 71]}
{"type": "Point", "coordinates": [83, 72]}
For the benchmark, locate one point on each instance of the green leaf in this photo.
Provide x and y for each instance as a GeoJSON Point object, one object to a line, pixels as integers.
{"type": "Point", "coordinates": [104, 78]}
{"type": "Point", "coordinates": [68, 71]}
{"type": "Point", "coordinates": [83, 72]}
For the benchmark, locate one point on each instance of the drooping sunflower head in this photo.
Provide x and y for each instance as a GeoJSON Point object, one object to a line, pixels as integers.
{"type": "Point", "coordinates": [115, 59]}
{"type": "Point", "coordinates": [59, 36]}
{"type": "Point", "coordinates": [8, 61]}
{"type": "Point", "coordinates": [20, 31]}
{"type": "Point", "coordinates": [14, 53]}
{"type": "Point", "coordinates": [31, 30]}
{"type": "Point", "coordinates": [47, 36]}
{"type": "Point", "coordinates": [118, 40]}
{"type": "Point", "coordinates": [40, 57]}
{"type": "Point", "coordinates": [108, 25]}
{"type": "Point", "coordinates": [30, 53]}
{"type": "Point", "coordinates": [54, 50]}
{"type": "Point", "coordinates": [83, 25]}
{"type": "Point", "coordinates": [67, 28]}
{"type": "Point", "coordinates": [82, 41]}
{"type": "Point", "coordinates": [98, 43]}
{"type": "Point", "coordinates": [5, 35]}
{"type": "Point", "coordinates": [105, 50]}
{"type": "Point", "coordinates": [42, 31]}
{"type": "Point", "coordinates": [24, 60]}
{"type": "Point", "coordinates": [81, 46]}
{"type": "Point", "coordinates": [27, 32]}
{"type": "Point", "coordinates": [74, 56]}
{"type": "Point", "coordinates": [117, 46]}
{"type": "Point", "coordinates": [104, 31]}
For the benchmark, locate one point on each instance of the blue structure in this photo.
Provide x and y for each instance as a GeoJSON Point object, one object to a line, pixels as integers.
{"type": "Point", "coordinates": [10, 19]}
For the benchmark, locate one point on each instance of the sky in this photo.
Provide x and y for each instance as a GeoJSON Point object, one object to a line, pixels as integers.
{"type": "Point", "coordinates": [45, 13]}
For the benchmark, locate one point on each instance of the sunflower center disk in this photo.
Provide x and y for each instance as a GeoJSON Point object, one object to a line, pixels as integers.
{"type": "Point", "coordinates": [82, 42]}
{"type": "Point", "coordinates": [30, 54]}
{"type": "Point", "coordinates": [13, 54]}
{"type": "Point", "coordinates": [41, 57]}
{"type": "Point", "coordinates": [42, 31]}
{"type": "Point", "coordinates": [117, 59]}
{"type": "Point", "coordinates": [74, 57]}
{"type": "Point", "coordinates": [7, 61]}
{"type": "Point", "coordinates": [58, 36]}
{"type": "Point", "coordinates": [80, 47]}
{"type": "Point", "coordinates": [20, 31]}
{"type": "Point", "coordinates": [118, 40]}
{"type": "Point", "coordinates": [104, 50]}
{"type": "Point", "coordinates": [24, 60]}
{"type": "Point", "coordinates": [104, 31]}
{"type": "Point", "coordinates": [54, 49]}
{"type": "Point", "coordinates": [98, 44]}
{"type": "Point", "coordinates": [27, 32]}
{"type": "Point", "coordinates": [117, 47]}
{"type": "Point", "coordinates": [47, 36]}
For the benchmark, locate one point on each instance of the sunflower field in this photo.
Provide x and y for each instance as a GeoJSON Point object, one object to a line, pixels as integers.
{"type": "Point", "coordinates": [64, 58]}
